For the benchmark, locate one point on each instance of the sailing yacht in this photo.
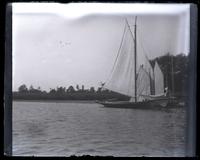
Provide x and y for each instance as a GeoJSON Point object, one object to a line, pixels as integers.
{"type": "Point", "coordinates": [144, 84]}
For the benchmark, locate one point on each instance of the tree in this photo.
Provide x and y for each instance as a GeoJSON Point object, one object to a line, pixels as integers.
{"type": "Point", "coordinates": [177, 73]}
{"type": "Point", "coordinates": [99, 89]}
{"type": "Point", "coordinates": [92, 90]}
{"type": "Point", "coordinates": [44, 92]}
{"type": "Point", "coordinates": [23, 88]}
{"type": "Point", "coordinates": [82, 87]}
{"type": "Point", "coordinates": [71, 89]}
{"type": "Point", "coordinates": [52, 91]}
{"type": "Point", "coordinates": [31, 88]}
{"type": "Point", "coordinates": [77, 87]}
{"type": "Point", "coordinates": [60, 90]}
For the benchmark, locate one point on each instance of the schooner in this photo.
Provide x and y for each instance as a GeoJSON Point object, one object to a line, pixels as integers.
{"type": "Point", "coordinates": [144, 84]}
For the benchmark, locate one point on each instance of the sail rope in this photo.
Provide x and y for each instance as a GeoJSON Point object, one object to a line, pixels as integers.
{"type": "Point", "coordinates": [131, 68]}
{"type": "Point", "coordinates": [143, 87]}
{"type": "Point", "coordinates": [131, 78]}
{"type": "Point", "coordinates": [130, 29]}
{"type": "Point", "coordinates": [141, 44]}
{"type": "Point", "coordinates": [139, 82]}
{"type": "Point", "coordinates": [118, 53]}
{"type": "Point", "coordinates": [145, 52]}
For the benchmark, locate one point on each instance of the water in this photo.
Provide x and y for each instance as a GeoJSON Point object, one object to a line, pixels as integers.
{"type": "Point", "coordinates": [65, 129]}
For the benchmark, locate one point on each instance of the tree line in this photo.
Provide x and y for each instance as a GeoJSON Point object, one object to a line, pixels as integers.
{"type": "Point", "coordinates": [174, 68]}
{"type": "Point", "coordinates": [63, 93]}
{"type": "Point", "coordinates": [59, 90]}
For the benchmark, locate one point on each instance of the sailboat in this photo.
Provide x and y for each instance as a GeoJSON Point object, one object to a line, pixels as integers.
{"type": "Point", "coordinates": [144, 84]}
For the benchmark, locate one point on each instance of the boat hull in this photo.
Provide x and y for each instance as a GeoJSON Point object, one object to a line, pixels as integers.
{"type": "Point", "coordinates": [153, 104]}
{"type": "Point", "coordinates": [125, 105]}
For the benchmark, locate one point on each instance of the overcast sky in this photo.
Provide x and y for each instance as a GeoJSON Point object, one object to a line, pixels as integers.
{"type": "Point", "coordinates": [61, 45]}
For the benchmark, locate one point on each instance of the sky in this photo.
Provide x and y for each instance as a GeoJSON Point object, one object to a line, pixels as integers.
{"type": "Point", "coordinates": [68, 44]}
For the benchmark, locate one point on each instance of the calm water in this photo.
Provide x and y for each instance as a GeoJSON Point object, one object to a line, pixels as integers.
{"type": "Point", "coordinates": [64, 129]}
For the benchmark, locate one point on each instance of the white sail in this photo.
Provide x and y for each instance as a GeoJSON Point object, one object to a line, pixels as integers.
{"type": "Point", "coordinates": [143, 83]}
{"type": "Point", "coordinates": [122, 77]}
{"type": "Point", "coordinates": [149, 69]}
{"type": "Point", "coordinates": [159, 80]}
{"type": "Point", "coordinates": [150, 72]}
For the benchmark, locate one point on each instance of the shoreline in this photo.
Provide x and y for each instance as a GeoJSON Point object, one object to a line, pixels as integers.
{"type": "Point", "coordinates": [55, 101]}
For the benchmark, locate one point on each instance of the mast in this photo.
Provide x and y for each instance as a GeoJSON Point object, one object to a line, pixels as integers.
{"type": "Point", "coordinates": [172, 75]}
{"type": "Point", "coordinates": [135, 52]}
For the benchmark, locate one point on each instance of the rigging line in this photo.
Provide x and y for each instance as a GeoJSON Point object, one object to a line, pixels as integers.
{"type": "Point", "coordinates": [141, 90]}
{"type": "Point", "coordinates": [145, 52]}
{"type": "Point", "coordinates": [140, 35]}
{"type": "Point", "coordinates": [148, 74]}
{"type": "Point", "coordinates": [140, 82]}
{"type": "Point", "coordinates": [133, 41]}
{"type": "Point", "coordinates": [109, 77]}
{"type": "Point", "coordinates": [139, 71]}
{"type": "Point", "coordinates": [143, 46]}
{"type": "Point", "coordinates": [130, 30]}
{"type": "Point", "coordinates": [130, 65]}
{"type": "Point", "coordinates": [127, 71]}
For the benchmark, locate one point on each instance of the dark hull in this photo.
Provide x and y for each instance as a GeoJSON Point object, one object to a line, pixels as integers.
{"type": "Point", "coordinates": [161, 104]}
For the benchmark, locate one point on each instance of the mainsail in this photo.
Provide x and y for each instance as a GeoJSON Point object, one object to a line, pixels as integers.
{"type": "Point", "coordinates": [122, 77]}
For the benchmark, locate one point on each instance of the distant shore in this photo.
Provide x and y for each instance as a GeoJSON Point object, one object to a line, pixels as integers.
{"type": "Point", "coordinates": [83, 97]}
{"type": "Point", "coordinates": [55, 101]}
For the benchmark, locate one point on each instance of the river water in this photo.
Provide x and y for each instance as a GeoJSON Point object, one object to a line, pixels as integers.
{"type": "Point", "coordinates": [72, 128]}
